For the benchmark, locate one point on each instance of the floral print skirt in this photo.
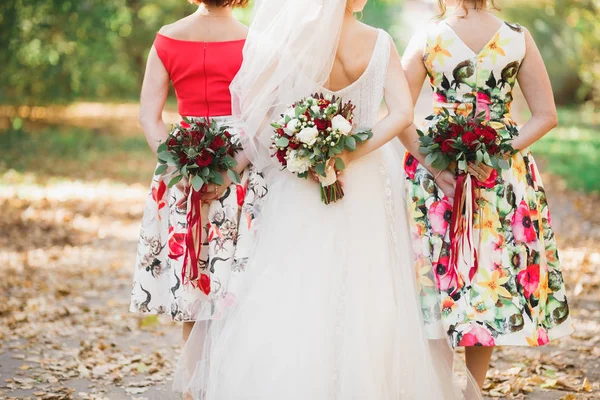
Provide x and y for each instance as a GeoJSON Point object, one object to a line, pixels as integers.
{"type": "Point", "coordinates": [514, 294]}
{"type": "Point", "coordinates": [228, 236]}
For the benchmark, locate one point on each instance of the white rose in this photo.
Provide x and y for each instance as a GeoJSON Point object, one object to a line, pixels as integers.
{"type": "Point", "coordinates": [293, 125]}
{"type": "Point", "coordinates": [341, 124]}
{"type": "Point", "coordinates": [308, 135]}
{"type": "Point", "coordinates": [297, 164]}
{"type": "Point", "coordinates": [316, 109]}
{"type": "Point", "coordinates": [291, 112]}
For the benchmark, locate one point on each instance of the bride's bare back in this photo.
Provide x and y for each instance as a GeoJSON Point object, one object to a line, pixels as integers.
{"type": "Point", "coordinates": [354, 53]}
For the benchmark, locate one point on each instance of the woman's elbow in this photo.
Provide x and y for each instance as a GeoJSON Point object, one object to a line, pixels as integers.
{"type": "Point", "coordinates": [147, 118]}
{"type": "Point", "coordinates": [552, 120]}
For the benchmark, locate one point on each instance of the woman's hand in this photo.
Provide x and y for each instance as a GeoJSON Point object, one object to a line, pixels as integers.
{"type": "Point", "coordinates": [345, 156]}
{"type": "Point", "coordinates": [447, 183]}
{"type": "Point", "coordinates": [213, 192]}
{"type": "Point", "coordinates": [481, 171]}
{"type": "Point", "coordinates": [184, 188]}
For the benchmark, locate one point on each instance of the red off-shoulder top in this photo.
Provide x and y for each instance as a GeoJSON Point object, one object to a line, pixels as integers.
{"type": "Point", "coordinates": [201, 73]}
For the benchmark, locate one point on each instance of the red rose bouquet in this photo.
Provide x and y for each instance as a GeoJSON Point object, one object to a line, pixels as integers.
{"type": "Point", "coordinates": [460, 140]}
{"type": "Point", "coordinates": [311, 134]}
{"type": "Point", "coordinates": [199, 150]}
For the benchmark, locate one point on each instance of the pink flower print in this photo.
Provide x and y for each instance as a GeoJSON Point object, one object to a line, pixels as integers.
{"type": "Point", "coordinates": [529, 279]}
{"type": "Point", "coordinates": [440, 215]}
{"type": "Point", "coordinates": [522, 225]}
{"type": "Point", "coordinates": [477, 336]}
{"type": "Point", "coordinates": [483, 104]}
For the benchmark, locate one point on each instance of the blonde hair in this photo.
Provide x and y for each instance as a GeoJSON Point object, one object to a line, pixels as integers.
{"type": "Point", "coordinates": [221, 3]}
{"type": "Point", "coordinates": [479, 5]}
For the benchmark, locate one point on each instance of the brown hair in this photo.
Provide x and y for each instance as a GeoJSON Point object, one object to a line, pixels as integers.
{"type": "Point", "coordinates": [222, 3]}
{"type": "Point", "coordinates": [479, 5]}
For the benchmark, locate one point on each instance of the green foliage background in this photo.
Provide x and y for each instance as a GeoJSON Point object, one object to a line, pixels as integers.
{"type": "Point", "coordinates": [58, 51]}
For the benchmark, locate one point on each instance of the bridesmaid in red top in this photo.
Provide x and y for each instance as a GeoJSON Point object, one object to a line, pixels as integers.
{"type": "Point", "coordinates": [200, 55]}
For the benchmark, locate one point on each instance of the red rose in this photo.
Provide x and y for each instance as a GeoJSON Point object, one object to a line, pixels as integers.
{"type": "Point", "coordinates": [447, 146]}
{"type": "Point", "coordinates": [324, 103]}
{"type": "Point", "coordinates": [172, 142]}
{"type": "Point", "coordinates": [492, 149]}
{"type": "Point", "coordinates": [293, 145]}
{"type": "Point", "coordinates": [280, 132]}
{"type": "Point", "coordinates": [469, 138]}
{"type": "Point", "coordinates": [198, 135]}
{"type": "Point", "coordinates": [487, 134]}
{"type": "Point", "coordinates": [281, 153]}
{"type": "Point", "coordinates": [322, 124]}
{"type": "Point", "coordinates": [204, 158]}
{"type": "Point", "coordinates": [183, 159]}
{"type": "Point", "coordinates": [455, 130]}
{"type": "Point", "coordinates": [227, 134]}
{"type": "Point", "coordinates": [217, 143]}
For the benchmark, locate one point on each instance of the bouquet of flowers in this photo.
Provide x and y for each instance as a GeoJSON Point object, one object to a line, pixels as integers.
{"type": "Point", "coordinates": [458, 140]}
{"type": "Point", "coordinates": [310, 136]}
{"type": "Point", "coordinates": [199, 150]}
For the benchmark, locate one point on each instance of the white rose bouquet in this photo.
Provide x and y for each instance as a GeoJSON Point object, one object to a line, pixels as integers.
{"type": "Point", "coordinates": [311, 134]}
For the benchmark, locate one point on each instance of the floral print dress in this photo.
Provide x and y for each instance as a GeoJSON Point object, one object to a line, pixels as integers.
{"type": "Point", "coordinates": [514, 294]}
{"type": "Point", "coordinates": [228, 235]}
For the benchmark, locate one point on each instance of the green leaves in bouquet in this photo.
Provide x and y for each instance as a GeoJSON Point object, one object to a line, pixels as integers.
{"type": "Point", "coordinates": [320, 169]}
{"type": "Point", "coordinates": [175, 181]}
{"type": "Point", "coordinates": [161, 169]}
{"type": "Point", "coordinates": [234, 176]}
{"type": "Point", "coordinates": [282, 142]}
{"type": "Point", "coordinates": [339, 164]}
{"type": "Point", "coordinates": [197, 183]}
{"type": "Point", "coordinates": [350, 143]}
{"type": "Point", "coordinates": [437, 160]}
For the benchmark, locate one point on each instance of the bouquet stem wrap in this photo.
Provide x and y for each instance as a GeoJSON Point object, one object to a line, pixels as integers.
{"type": "Point", "coordinates": [193, 239]}
{"type": "Point", "coordinates": [461, 229]}
{"type": "Point", "coordinates": [331, 188]}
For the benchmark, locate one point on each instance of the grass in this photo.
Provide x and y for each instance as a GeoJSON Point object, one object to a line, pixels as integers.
{"type": "Point", "coordinates": [76, 153]}
{"type": "Point", "coordinates": [573, 149]}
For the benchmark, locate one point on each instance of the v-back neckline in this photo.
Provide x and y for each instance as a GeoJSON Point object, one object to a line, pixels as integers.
{"type": "Point", "coordinates": [365, 72]}
{"type": "Point", "coordinates": [475, 54]}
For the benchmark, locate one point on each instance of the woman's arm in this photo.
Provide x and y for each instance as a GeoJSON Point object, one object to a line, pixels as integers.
{"type": "Point", "coordinates": [400, 109]}
{"type": "Point", "coordinates": [414, 69]}
{"type": "Point", "coordinates": [535, 84]}
{"type": "Point", "coordinates": [155, 89]}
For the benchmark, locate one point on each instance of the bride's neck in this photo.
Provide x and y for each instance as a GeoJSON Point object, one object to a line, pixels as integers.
{"type": "Point", "coordinates": [349, 18]}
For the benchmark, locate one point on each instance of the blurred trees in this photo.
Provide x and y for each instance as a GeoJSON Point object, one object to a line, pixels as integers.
{"type": "Point", "coordinates": [568, 35]}
{"type": "Point", "coordinates": [57, 51]}
{"type": "Point", "coordinates": [61, 50]}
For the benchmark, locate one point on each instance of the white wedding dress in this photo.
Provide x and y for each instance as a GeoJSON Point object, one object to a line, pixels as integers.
{"type": "Point", "coordinates": [329, 310]}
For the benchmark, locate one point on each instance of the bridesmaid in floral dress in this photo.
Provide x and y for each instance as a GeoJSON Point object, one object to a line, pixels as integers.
{"type": "Point", "coordinates": [200, 55]}
{"type": "Point", "coordinates": [515, 294]}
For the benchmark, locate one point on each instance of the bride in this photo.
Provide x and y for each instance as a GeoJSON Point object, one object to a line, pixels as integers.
{"type": "Point", "coordinates": [329, 309]}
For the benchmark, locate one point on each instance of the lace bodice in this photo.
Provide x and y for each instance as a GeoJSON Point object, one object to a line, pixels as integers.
{"type": "Point", "coordinates": [366, 93]}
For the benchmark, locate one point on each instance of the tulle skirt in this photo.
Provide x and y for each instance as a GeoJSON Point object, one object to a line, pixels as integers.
{"type": "Point", "coordinates": [329, 308]}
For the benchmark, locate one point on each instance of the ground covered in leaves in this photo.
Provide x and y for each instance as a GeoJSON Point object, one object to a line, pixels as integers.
{"type": "Point", "coordinates": [67, 249]}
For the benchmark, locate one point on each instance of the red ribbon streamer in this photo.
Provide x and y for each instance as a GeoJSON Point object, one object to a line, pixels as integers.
{"type": "Point", "coordinates": [461, 230]}
{"type": "Point", "coordinates": [193, 239]}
